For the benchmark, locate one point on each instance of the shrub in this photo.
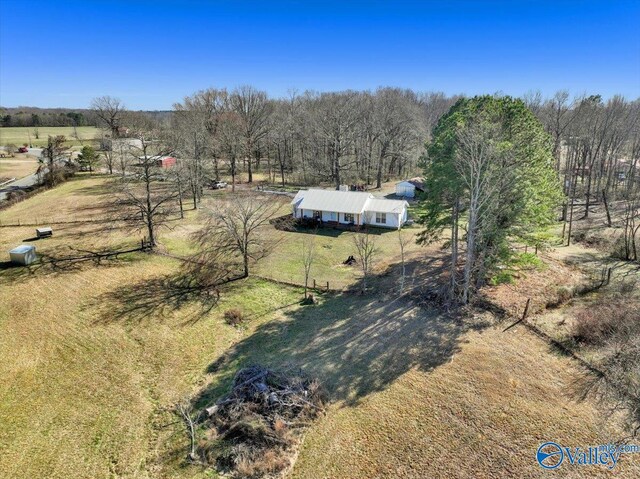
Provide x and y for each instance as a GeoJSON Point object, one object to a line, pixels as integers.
{"type": "Point", "coordinates": [564, 293]}
{"type": "Point", "coordinates": [503, 277]}
{"type": "Point", "coordinates": [234, 317]}
{"type": "Point", "coordinates": [16, 195]}
{"type": "Point", "coordinates": [611, 317]}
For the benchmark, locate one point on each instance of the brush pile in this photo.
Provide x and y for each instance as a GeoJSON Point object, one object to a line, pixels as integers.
{"type": "Point", "coordinates": [255, 427]}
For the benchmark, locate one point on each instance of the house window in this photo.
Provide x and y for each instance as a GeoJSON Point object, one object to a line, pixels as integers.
{"type": "Point", "coordinates": [348, 218]}
{"type": "Point", "coordinates": [333, 216]}
{"type": "Point", "coordinates": [381, 218]}
{"type": "Point", "coordinates": [317, 215]}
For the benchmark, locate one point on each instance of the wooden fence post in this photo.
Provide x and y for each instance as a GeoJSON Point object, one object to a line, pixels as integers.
{"type": "Point", "coordinates": [524, 316]}
{"type": "Point", "coordinates": [536, 249]}
{"type": "Point", "coordinates": [314, 284]}
{"type": "Point", "coordinates": [327, 286]}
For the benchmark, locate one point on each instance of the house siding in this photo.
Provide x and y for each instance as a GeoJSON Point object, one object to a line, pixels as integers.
{"type": "Point", "coordinates": [396, 216]}
{"type": "Point", "coordinates": [392, 220]}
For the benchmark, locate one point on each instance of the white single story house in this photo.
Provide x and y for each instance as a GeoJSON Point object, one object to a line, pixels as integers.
{"type": "Point", "coordinates": [349, 208]}
{"type": "Point", "coordinates": [407, 188]}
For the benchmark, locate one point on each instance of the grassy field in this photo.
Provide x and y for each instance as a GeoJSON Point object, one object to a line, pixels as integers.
{"type": "Point", "coordinates": [20, 135]}
{"type": "Point", "coordinates": [18, 166]}
{"type": "Point", "coordinates": [331, 249]}
{"type": "Point", "coordinates": [95, 356]}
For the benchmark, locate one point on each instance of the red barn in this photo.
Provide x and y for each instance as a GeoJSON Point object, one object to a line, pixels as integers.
{"type": "Point", "coordinates": [166, 162]}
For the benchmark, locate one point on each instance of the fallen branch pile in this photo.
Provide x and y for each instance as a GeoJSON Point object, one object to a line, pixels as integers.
{"type": "Point", "coordinates": [256, 425]}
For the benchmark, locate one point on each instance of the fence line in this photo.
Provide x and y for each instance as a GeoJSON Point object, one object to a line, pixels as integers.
{"type": "Point", "coordinates": [320, 287]}
{"type": "Point", "coordinates": [98, 256]}
{"type": "Point", "coordinates": [570, 352]}
{"type": "Point", "coordinates": [52, 221]}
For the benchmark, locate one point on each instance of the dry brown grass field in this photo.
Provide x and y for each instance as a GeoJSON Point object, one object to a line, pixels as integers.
{"type": "Point", "coordinates": [18, 166]}
{"type": "Point", "coordinates": [94, 358]}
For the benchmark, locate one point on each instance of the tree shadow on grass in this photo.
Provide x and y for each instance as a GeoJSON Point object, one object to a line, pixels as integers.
{"type": "Point", "coordinates": [51, 263]}
{"type": "Point", "coordinates": [355, 344]}
{"type": "Point", "coordinates": [157, 297]}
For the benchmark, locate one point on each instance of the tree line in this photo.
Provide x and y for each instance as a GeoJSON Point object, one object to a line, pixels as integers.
{"type": "Point", "coordinates": [596, 147]}
{"type": "Point", "coordinates": [43, 117]}
{"type": "Point", "coordinates": [498, 169]}
{"type": "Point", "coordinates": [310, 138]}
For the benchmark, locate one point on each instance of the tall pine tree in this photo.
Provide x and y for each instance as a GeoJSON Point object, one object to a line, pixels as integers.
{"type": "Point", "coordinates": [489, 173]}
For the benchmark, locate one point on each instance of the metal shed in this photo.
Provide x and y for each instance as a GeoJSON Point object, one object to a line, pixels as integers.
{"type": "Point", "coordinates": [44, 232]}
{"type": "Point", "coordinates": [407, 188]}
{"type": "Point", "coordinates": [24, 254]}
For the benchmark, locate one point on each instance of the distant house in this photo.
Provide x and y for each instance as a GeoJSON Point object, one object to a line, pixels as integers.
{"type": "Point", "coordinates": [349, 208]}
{"type": "Point", "coordinates": [123, 145]}
{"type": "Point", "coordinates": [166, 161]}
{"type": "Point", "coordinates": [408, 188]}
{"type": "Point", "coordinates": [160, 161]}
{"type": "Point", "coordinates": [122, 131]}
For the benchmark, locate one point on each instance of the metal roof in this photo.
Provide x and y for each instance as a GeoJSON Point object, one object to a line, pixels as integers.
{"type": "Point", "coordinates": [382, 205]}
{"type": "Point", "coordinates": [25, 248]}
{"type": "Point", "coordinates": [354, 202]}
{"type": "Point", "coordinates": [418, 182]}
{"type": "Point", "coordinates": [331, 200]}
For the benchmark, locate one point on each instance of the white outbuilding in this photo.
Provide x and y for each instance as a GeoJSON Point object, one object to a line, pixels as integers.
{"type": "Point", "coordinates": [24, 254]}
{"type": "Point", "coordinates": [408, 188]}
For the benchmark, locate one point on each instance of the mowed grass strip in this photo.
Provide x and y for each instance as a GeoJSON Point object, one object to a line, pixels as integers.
{"type": "Point", "coordinates": [81, 198]}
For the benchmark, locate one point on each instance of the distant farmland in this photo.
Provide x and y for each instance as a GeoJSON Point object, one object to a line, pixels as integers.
{"type": "Point", "coordinates": [20, 135]}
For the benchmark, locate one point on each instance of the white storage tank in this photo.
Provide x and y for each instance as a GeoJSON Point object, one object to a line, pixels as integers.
{"type": "Point", "coordinates": [24, 254]}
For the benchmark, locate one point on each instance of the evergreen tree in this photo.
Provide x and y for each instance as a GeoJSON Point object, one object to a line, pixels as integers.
{"type": "Point", "coordinates": [88, 158]}
{"type": "Point", "coordinates": [489, 169]}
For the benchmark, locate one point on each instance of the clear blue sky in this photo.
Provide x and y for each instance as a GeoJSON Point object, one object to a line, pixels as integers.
{"type": "Point", "coordinates": [153, 53]}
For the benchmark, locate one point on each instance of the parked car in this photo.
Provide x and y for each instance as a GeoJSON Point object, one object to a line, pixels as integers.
{"type": "Point", "coordinates": [218, 185]}
{"type": "Point", "coordinates": [23, 149]}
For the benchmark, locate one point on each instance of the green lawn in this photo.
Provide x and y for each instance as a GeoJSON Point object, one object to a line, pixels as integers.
{"type": "Point", "coordinates": [331, 248]}
{"type": "Point", "coordinates": [20, 135]}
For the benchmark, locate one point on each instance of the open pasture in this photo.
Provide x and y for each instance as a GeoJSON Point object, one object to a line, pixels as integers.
{"type": "Point", "coordinates": [19, 135]}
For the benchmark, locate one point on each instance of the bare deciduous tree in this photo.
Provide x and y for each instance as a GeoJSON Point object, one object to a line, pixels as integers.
{"type": "Point", "coordinates": [308, 256]}
{"type": "Point", "coordinates": [234, 227]}
{"type": "Point", "coordinates": [366, 249]}
{"type": "Point", "coordinates": [53, 154]}
{"type": "Point", "coordinates": [145, 197]}
{"type": "Point", "coordinates": [403, 242]}
{"type": "Point", "coordinates": [185, 410]}
{"type": "Point", "coordinates": [253, 108]}
{"type": "Point", "coordinates": [474, 160]}
{"type": "Point", "coordinates": [109, 110]}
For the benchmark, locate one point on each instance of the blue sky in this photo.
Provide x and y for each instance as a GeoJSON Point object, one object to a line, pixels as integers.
{"type": "Point", "coordinates": [153, 53]}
